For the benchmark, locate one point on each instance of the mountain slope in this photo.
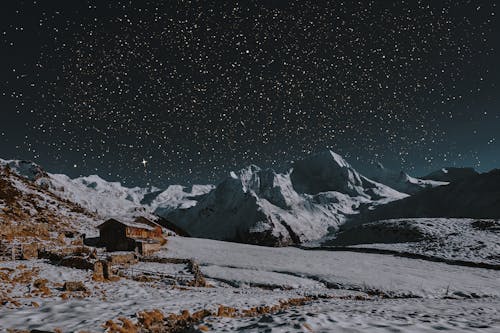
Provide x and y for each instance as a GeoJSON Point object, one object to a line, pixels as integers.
{"type": "Point", "coordinates": [107, 199]}
{"type": "Point", "coordinates": [474, 197]}
{"type": "Point", "coordinates": [267, 208]}
{"type": "Point", "coordinates": [451, 174]}
{"type": "Point", "coordinates": [328, 171]}
{"type": "Point", "coordinates": [470, 240]}
{"type": "Point", "coordinates": [97, 195]}
{"type": "Point", "coordinates": [401, 181]}
{"type": "Point", "coordinates": [28, 211]}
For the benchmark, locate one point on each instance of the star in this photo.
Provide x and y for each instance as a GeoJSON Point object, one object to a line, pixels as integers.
{"type": "Point", "coordinates": [369, 80]}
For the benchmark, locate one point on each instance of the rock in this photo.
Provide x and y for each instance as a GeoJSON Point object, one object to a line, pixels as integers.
{"type": "Point", "coordinates": [29, 251]}
{"type": "Point", "coordinates": [74, 286]}
{"type": "Point", "coordinates": [122, 258]}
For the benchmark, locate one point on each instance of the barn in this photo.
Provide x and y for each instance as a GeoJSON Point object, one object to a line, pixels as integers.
{"type": "Point", "coordinates": [141, 235]}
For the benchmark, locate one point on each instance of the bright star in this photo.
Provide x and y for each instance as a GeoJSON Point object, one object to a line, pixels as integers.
{"type": "Point", "coordinates": [144, 162]}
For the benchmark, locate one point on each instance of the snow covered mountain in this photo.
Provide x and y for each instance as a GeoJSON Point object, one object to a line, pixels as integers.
{"type": "Point", "coordinates": [401, 181]}
{"type": "Point", "coordinates": [104, 198]}
{"type": "Point", "coordinates": [328, 171]}
{"type": "Point", "coordinates": [260, 206]}
{"type": "Point", "coordinates": [96, 194]}
{"type": "Point", "coordinates": [113, 199]}
{"type": "Point", "coordinates": [30, 211]}
{"type": "Point", "coordinates": [451, 174]}
{"type": "Point", "coordinates": [252, 206]}
{"type": "Point", "coordinates": [474, 197]}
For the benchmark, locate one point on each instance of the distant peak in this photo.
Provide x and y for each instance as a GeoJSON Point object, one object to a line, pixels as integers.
{"type": "Point", "coordinates": [327, 156]}
{"type": "Point", "coordinates": [246, 171]}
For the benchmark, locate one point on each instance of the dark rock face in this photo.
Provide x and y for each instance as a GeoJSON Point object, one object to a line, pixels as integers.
{"type": "Point", "coordinates": [401, 181]}
{"type": "Point", "coordinates": [378, 232]}
{"type": "Point", "coordinates": [325, 172]}
{"type": "Point", "coordinates": [451, 174]}
{"type": "Point", "coordinates": [474, 197]}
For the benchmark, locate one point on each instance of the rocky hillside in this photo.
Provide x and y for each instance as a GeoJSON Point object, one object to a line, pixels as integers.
{"type": "Point", "coordinates": [29, 211]}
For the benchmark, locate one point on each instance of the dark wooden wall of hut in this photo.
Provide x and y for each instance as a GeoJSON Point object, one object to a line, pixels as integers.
{"type": "Point", "coordinates": [113, 236]}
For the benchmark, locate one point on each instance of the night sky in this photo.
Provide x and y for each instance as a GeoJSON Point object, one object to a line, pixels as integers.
{"type": "Point", "coordinates": [198, 88]}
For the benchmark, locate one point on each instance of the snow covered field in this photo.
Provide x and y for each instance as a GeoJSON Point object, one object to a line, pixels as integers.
{"type": "Point", "coordinates": [111, 300]}
{"type": "Point", "coordinates": [409, 315]}
{"type": "Point", "coordinates": [243, 276]}
{"type": "Point", "coordinates": [359, 271]}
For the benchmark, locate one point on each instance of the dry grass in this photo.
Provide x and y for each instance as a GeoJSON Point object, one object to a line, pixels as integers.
{"type": "Point", "coordinates": [32, 213]}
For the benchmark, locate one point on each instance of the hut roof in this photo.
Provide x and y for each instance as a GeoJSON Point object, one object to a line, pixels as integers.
{"type": "Point", "coordinates": [134, 224]}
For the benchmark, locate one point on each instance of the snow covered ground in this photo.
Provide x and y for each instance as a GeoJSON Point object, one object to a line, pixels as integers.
{"type": "Point", "coordinates": [359, 271]}
{"type": "Point", "coordinates": [414, 315]}
{"type": "Point", "coordinates": [111, 300]}
{"type": "Point", "coordinates": [472, 240]}
{"type": "Point", "coordinates": [244, 276]}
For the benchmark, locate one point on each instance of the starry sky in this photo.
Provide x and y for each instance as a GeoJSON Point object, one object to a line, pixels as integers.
{"type": "Point", "coordinates": [162, 92]}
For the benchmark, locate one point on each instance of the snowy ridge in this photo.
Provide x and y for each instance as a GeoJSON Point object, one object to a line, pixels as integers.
{"type": "Point", "coordinates": [401, 181]}
{"type": "Point", "coordinates": [451, 174]}
{"type": "Point", "coordinates": [260, 206]}
{"type": "Point", "coordinates": [97, 195]}
{"type": "Point", "coordinates": [109, 199]}
{"type": "Point", "coordinates": [473, 197]}
{"type": "Point", "coordinates": [29, 210]}
{"type": "Point", "coordinates": [177, 197]}
{"type": "Point", "coordinates": [471, 240]}
{"type": "Point", "coordinates": [327, 171]}
{"type": "Point", "coordinates": [113, 199]}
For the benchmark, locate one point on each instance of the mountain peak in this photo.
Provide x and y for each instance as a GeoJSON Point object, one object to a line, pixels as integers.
{"type": "Point", "coordinates": [451, 174]}
{"type": "Point", "coordinates": [329, 157]}
{"type": "Point", "coordinates": [327, 171]}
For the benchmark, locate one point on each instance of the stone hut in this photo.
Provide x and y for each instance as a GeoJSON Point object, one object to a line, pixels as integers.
{"type": "Point", "coordinates": [141, 235]}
